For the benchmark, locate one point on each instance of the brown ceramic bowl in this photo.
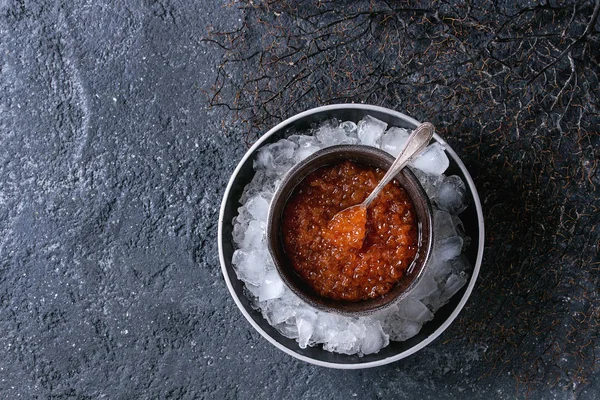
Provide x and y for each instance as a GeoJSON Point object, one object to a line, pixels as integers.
{"type": "Point", "coordinates": [364, 155]}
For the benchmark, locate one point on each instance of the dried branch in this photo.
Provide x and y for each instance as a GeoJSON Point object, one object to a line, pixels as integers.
{"type": "Point", "coordinates": [513, 88]}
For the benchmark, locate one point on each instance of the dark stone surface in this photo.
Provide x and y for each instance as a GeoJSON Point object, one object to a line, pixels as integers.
{"type": "Point", "coordinates": [112, 169]}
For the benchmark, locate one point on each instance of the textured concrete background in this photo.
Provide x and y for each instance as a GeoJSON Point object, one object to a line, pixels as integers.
{"type": "Point", "coordinates": [112, 170]}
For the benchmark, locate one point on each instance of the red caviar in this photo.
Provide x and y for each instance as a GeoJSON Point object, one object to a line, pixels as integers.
{"type": "Point", "coordinates": [358, 255]}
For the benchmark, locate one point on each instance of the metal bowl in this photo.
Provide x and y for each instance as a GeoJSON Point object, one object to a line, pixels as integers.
{"type": "Point", "coordinates": [364, 155]}
{"type": "Point", "coordinates": [472, 218]}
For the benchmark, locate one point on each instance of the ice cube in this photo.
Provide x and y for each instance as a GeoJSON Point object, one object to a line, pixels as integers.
{"type": "Point", "coordinates": [424, 288]}
{"type": "Point", "coordinates": [330, 135]}
{"type": "Point", "coordinates": [443, 225]}
{"type": "Point", "coordinates": [400, 329]}
{"type": "Point", "coordinates": [370, 130]}
{"type": "Point", "coordinates": [250, 265]}
{"type": "Point", "coordinates": [306, 326]}
{"type": "Point", "coordinates": [438, 269]}
{"type": "Point", "coordinates": [253, 236]}
{"type": "Point", "coordinates": [394, 139]}
{"type": "Point", "coordinates": [240, 224]}
{"type": "Point", "coordinates": [413, 310]}
{"type": "Point", "coordinates": [329, 325]}
{"type": "Point", "coordinates": [344, 342]}
{"type": "Point", "coordinates": [264, 160]}
{"type": "Point", "coordinates": [288, 330]}
{"type": "Point", "coordinates": [429, 182]}
{"type": "Point", "coordinates": [276, 157]}
{"type": "Point", "coordinates": [303, 140]}
{"type": "Point", "coordinates": [451, 195]}
{"type": "Point", "coordinates": [289, 298]}
{"type": "Point", "coordinates": [349, 127]}
{"type": "Point", "coordinates": [282, 150]}
{"type": "Point", "coordinates": [261, 182]}
{"type": "Point", "coordinates": [358, 327]}
{"type": "Point", "coordinates": [460, 264]}
{"type": "Point", "coordinates": [258, 208]}
{"type": "Point", "coordinates": [433, 160]}
{"type": "Point", "coordinates": [307, 145]}
{"type": "Point", "coordinates": [375, 338]}
{"type": "Point", "coordinates": [408, 330]}
{"type": "Point", "coordinates": [453, 285]}
{"type": "Point", "coordinates": [305, 152]}
{"type": "Point", "coordinates": [277, 312]}
{"type": "Point", "coordinates": [272, 286]}
{"type": "Point", "coordinates": [458, 226]}
{"type": "Point", "coordinates": [305, 330]}
{"type": "Point", "coordinates": [383, 315]}
{"type": "Point", "coordinates": [448, 248]}
{"type": "Point", "coordinates": [251, 291]}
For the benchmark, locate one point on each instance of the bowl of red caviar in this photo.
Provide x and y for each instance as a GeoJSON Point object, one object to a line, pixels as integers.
{"type": "Point", "coordinates": [361, 264]}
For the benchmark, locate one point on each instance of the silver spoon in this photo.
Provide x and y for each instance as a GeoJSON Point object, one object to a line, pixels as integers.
{"type": "Point", "coordinates": [416, 143]}
{"type": "Point", "coordinates": [351, 221]}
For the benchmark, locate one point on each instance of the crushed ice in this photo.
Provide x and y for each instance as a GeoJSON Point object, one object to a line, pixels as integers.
{"type": "Point", "coordinates": [444, 276]}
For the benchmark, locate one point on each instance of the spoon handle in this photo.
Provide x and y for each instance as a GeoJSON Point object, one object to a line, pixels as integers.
{"type": "Point", "coordinates": [415, 144]}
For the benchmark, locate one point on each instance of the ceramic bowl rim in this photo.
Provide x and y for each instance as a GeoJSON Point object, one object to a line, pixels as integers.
{"type": "Point", "coordinates": [328, 156]}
